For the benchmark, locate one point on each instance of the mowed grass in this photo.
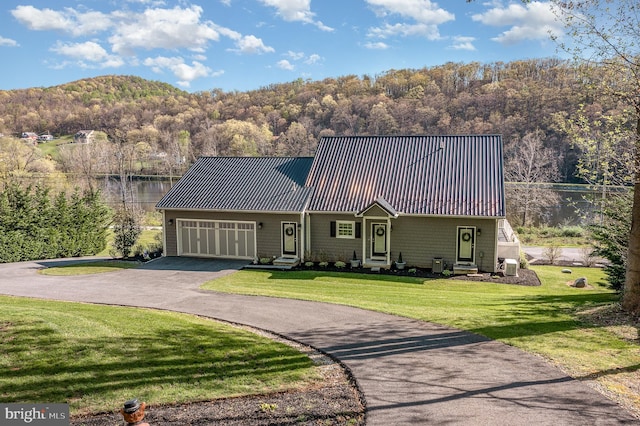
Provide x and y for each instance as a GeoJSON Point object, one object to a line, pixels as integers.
{"type": "Point", "coordinates": [91, 267]}
{"type": "Point", "coordinates": [95, 357]}
{"type": "Point", "coordinates": [544, 320]}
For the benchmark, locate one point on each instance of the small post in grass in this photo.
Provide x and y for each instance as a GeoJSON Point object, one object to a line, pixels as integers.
{"type": "Point", "coordinates": [133, 413]}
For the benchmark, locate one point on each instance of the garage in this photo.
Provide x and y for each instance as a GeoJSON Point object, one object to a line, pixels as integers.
{"type": "Point", "coordinates": [216, 238]}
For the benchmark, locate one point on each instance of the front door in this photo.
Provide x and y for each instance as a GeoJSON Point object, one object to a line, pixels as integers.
{"type": "Point", "coordinates": [378, 240]}
{"type": "Point", "coordinates": [466, 244]}
{"type": "Point", "coordinates": [289, 239]}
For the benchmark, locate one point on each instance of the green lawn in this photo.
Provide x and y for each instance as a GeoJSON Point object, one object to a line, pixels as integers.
{"type": "Point", "coordinates": [95, 357]}
{"type": "Point", "coordinates": [51, 148]}
{"type": "Point", "coordinates": [545, 320]}
{"type": "Point", "coordinates": [82, 268]}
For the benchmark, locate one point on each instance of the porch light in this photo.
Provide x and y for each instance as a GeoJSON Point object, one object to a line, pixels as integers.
{"type": "Point", "coordinates": [260, 225]}
{"type": "Point", "coordinates": [170, 222]}
{"type": "Point", "coordinates": [478, 232]}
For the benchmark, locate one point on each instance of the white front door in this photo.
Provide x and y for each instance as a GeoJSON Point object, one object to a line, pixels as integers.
{"type": "Point", "coordinates": [466, 244]}
{"type": "Point", "coordinates": [378, 240]}
{"type": "Point", "coordinates": [289, 239]}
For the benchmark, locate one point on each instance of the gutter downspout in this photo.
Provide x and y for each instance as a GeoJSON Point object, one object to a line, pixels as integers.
{"type": "Point", "coordinates": [164, 233]}
{"type": "Point", "coordinates": [305, 232]}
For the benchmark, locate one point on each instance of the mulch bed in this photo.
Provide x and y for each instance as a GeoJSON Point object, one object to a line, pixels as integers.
{"type": "Point", "coordinates": [525, 277]}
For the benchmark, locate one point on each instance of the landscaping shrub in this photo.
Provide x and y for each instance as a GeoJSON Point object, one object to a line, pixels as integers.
{"type": "Point", "coordinates": [126, 230]}
{"type": "Point", "coordinates": [572, 231]}
{"type": "Point", "coordinates": [550, 231]}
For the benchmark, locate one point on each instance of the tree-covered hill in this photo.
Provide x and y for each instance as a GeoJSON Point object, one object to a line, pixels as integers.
{"type": "Point", "coordinates": [514, 99]}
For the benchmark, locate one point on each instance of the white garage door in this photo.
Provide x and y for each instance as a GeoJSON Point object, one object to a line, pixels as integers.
{"type": "Point", "coordinates": [213, 238]}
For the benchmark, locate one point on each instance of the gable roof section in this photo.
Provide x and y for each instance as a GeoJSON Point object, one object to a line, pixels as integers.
{"type": "Point", "coordinates": [382, 204]}
{"type": "Point", "coordinates": [266, 184]}
{"type": "Point", "coordinates": [416, 175]}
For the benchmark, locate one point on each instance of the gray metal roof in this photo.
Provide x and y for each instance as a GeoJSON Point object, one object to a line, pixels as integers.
{"type": "Point", "coordinates": [266, 184]}
{"type": "Point", "coordinates": [418, 175]}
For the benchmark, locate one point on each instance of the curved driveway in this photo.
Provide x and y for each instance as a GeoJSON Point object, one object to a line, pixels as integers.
{"type": "Point", "coordinates": [411, 372]}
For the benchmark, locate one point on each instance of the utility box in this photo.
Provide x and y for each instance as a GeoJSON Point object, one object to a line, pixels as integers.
{"type": "Point", "coordinates": [511, 267]}
{"type": "Point", "coordinates": [437, 265]}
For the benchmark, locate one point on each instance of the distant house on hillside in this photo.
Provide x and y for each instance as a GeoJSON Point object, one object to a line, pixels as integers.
{"type": "Point", "coordinates": [29, 136]}
{"type": "Point", "coordinates": [84, 136]}
{"type": "Point", "coordinates": [432, 200]}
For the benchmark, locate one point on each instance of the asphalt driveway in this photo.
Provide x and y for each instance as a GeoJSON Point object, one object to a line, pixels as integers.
{"type": "Point", "coordinates": [411, 372]}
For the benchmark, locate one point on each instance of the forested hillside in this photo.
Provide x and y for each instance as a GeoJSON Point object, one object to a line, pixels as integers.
{"type": "Point", "coordinates": [513, 99]}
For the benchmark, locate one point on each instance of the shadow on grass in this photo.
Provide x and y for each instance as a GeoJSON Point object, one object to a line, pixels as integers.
{"type": "Point", "coordinates": [39, 365]}
{"type": "Point", "coordinates": [610, 371]}
{"type": "Point", "coordinates": [542, 314]}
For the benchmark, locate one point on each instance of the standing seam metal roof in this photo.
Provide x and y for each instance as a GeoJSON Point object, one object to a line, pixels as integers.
{"type": "Point", "coordinates": [417, 175]}
{"type": "Point", "coordinates": [274, 184]}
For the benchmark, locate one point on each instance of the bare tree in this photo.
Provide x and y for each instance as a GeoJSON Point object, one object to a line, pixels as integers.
{"type": "Point", "coordinates": [529, 164]}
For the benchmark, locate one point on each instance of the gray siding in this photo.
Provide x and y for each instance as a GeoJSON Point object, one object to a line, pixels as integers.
{"type": "Point", "coordinates": [420, 239]}
{"type": "Point", "coordinates": [323, 243]}
{"type": "Point", "coordinates": [268, 239]}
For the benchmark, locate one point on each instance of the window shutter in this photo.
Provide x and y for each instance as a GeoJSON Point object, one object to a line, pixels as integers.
{"type": "Point", "coordinates": [333, 228]}
{"type": "Point", "coordinates": [358, 230]}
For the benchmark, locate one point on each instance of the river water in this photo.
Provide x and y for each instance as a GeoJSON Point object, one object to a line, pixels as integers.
{"type": "Point", "coordinates": [571, 210]}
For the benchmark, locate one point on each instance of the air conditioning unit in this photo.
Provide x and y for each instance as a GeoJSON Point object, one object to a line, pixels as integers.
{"type": "Point", "coordinates": [511, 267]}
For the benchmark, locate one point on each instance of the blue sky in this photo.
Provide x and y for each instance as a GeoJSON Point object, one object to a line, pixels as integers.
{"type": "Point", "coordinates": [247, 44]}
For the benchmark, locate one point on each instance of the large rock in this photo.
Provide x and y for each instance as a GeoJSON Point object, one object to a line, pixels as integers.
{"type": "Point", "coordinates": [580, 282]}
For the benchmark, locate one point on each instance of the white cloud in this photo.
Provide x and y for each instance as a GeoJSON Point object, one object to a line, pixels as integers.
{"type": "Point", "coordinates": [300, 56]}
{"type": "Point", "coordinates": [312, 59]}
{"type": "Point", "coordinates": [184, 72]}
{"type": "Point", "coordinates": [8, 42]}
{"type": "Point", "coordinates": [533, 21]}
{"type": "Point", "coordinates": [296, 56]}
{"type": "Point", "coordinates": [296, 11]}
{"type": "Point", "coordinates": [162, 28]}
{"type": "Point", "coordinates": [377, 46]}
{"type": "Point", "coordinates": [149, 2]}
{"type": "Point", "coordinates": [422, 18]}
{"type": "Point", "coordinates": [252, 45]}
{"type": "Point", "coordinates": [406, 30]}
{"type": "Point", "coordinates": [285, 65]}
{"type": "Point", "coordinates": [87, 55]}
{"type": "Point", "coordinates": [68, 21]}
{"type": "Point", "coordinates": [424, 11]}
{"type": "Point", "coordinates": [463, 43]}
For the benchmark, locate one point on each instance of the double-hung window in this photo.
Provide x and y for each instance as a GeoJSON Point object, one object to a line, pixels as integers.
{"type": "Point", "coordinates": [345, 229]}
